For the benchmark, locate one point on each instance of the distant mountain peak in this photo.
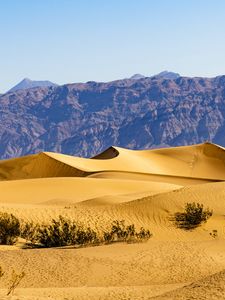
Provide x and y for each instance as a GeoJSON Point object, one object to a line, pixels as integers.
{"type": "Point", "coordinates": [164, 75]}
{"type": "Point", "coordinates": [167, 75]}
{"type": "Point", "coordinates": [137, 76]}
{"type": "Point", "coordinates": [27, 79]}
{"type": "Point", "coordinates": [27, 83]}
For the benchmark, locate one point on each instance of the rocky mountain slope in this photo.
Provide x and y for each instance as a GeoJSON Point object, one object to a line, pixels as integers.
{"type": "Point", "coordinates": [84, 119]}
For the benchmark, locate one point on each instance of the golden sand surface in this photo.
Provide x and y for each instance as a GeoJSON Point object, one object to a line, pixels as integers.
{"type": "Point", "coordinates": [145, 188]}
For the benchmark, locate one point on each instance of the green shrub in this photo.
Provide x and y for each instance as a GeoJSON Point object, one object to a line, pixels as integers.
{"type": "Point", "coordinates": [9, 228]}
{"type": "Point", "coordinates": [194, 215]}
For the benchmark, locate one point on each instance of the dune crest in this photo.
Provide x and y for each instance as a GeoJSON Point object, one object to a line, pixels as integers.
{"type": "Point", "coordinates": [203, 161]}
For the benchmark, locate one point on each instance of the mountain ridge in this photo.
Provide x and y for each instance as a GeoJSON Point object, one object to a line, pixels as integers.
{"type": "Point", "coordinates": [83, 119]}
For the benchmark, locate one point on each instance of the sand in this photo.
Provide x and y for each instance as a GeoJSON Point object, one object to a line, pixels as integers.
{"type": "Point", "coordinates": [142, 187]}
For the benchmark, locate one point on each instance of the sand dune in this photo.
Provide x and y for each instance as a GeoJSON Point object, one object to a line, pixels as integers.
{"type": "Point", "coordinates": [206, 161]}
{"type": "Point", "coordinates": [142, 187]}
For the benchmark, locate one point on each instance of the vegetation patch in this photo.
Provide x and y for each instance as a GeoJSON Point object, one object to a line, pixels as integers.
{"type": "Point", "coordinates": [65, 232]}
{"type": "Point", "coordinates": [9, 228]}
{"type": "Point", "coordinates": [193, 216]}
{"type": "Point", "coordinates": [119, 232]}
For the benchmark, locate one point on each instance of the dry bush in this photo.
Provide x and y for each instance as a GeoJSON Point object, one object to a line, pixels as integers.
{"type": "Point", "coordinates": [194, 215]}
{"type": "Point", "coordinates": [9, 228]}
{"type": "Point", "coordinates": [61, 232]}
{"type": "Point", "coordinates": [121, 233]}
{"type": "Point", "coordinates": [64, 232]}
{"type": "Point", "coordinates": [29, 231]}
{"type": "Point", "coordinates": [14, 281]}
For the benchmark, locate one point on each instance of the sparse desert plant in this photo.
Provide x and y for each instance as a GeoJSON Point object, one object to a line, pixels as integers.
{"type": "Point", "coordinates": [29, 231]}
{"type": "Point", "coordinates": [118, 230]}
{"type": "Point", "coordinates": [64, 232]}
{"type": "Point", "coordinates": [86, 236]}
{"type": "Point", "coordinates": [143, 234]}
{"type": "Point", "coordinates": [9, 228]}
{"type": "Point", "coordinates": [107, 237]}
{"type": "Point", "coordinates": [61, 232]}
{"type": "Point", "coordinates": [194, 215]}
{"type": "Point", "coordinates": [122, 233]}
{"type": "Point", "coordinates": [14, 281]}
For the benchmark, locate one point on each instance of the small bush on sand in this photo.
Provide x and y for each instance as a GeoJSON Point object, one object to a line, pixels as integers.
{"type": "Point", "coordinates": [121, 233]}
{"type": "Point", "coordinates": [9, 228]}
{"type": "Point", "coordinates": [61, 232]}
{"type": "Point", "coordinates": [194, 215]}
{"type": "Point", "coordinates": [14, 281]}
{"type": "Point", "coordinates": [86, 236]}
{"type": "Point", "coordinates": [29, 231]}
{"type": "Point", "coordinates": [64, 232]}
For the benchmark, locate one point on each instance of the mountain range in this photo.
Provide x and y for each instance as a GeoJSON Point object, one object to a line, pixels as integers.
{"type": "Point", "coordinates": [83, 119]}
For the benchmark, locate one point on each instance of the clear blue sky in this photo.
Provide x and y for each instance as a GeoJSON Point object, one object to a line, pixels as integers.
{"type": "Point", "coordinates": [80, 40]}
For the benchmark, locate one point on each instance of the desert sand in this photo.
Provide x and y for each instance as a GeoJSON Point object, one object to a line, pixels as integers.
{"type": "Point", "coordinates": [144, 187]}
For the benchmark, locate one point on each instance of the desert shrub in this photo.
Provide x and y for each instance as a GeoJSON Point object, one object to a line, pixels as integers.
{"type": "Point", "coordinates": [121, 233]}
{"type": "Point", "coordinates": [14, 281]}
{"type": "Point", "coordinates": [29, 231]}
{"type": "Point", "coordinates": [118, 230]}
{"type": "Point", "coordinates": [143, 234]}
{"type": "Point", "coordinates": [107, 237]}
{"type": "Point", "coordinates": [61, 232]}
{"type": "Point", "coordinates": [194, 215]}
{"type": "Point", "coordinates": [9, 228]}
{"type": "Point", "coordinates": [64, 232]}
{"type": "Point", "coordinates": [86, 236]}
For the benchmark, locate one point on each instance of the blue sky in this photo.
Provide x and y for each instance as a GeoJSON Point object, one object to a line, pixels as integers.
{"type": "Point", "coordinates": [80, 40]}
